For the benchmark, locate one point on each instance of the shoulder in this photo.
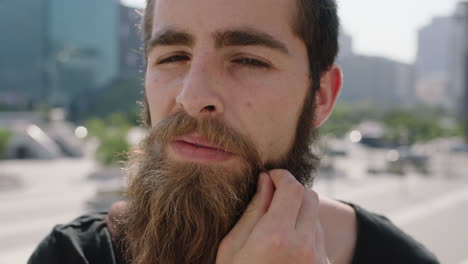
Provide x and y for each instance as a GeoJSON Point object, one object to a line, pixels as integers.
{"type": "Point", "coordinates": [380, 241]}
{"type": "Point", "coordinates": [355, 235]}
{"type": "Point", "coordinates": [83, 240]}
{"type": "Point", "coordinates": [85, 224]}
{"type": "Point", "coordinates": [339, 222]}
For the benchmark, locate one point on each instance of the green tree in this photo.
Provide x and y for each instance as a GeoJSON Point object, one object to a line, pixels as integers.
{"type": "Point", "coordinates": [111, 133]}
{"type": "Point", "coordinates": [464, 129]}
{"type": "Point", "coordinates": [410, 126]}
{"type": "Point", "coordinates": [113, 148]}
{"type": "Point", "coordinates": [418, 123]}
{"type": "Point", "coordinates": [346, 116]}
{"type": "Point", "coordinates": [5, 136]}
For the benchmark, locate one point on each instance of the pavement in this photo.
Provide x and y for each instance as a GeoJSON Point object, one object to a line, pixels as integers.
{"type": "Point", "coordinates": [51, 192]}
{"type": "Point", "coordinates": [434, 209]}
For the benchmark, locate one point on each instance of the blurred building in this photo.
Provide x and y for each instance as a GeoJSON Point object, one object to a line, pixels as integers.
{"type": "Point", "coordinates": [377, 80]}
{"type": "Point", "coordinates": [433, 62]}
{"type": "Point", "coordinates": [434, 46]}
{"type": "Point", "coordinates": [459, 62]}
{"type": "Point", "coordinates": [373, 79]}
{"type": "Point", "coordinates": [53, 51]}
{"type": "Point", "coordinates": [84, 46]}
{"type": "Point", "coordinates": [23, 51]}
{"type": "Point", "coordinates": [131, 54]}
{"type": "Point", "coordinates": [346, 45]}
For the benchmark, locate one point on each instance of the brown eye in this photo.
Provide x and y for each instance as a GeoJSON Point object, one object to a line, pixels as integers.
{"type": "Point", "coordinates": [250, 62]}
{"type": "Point", "coordinates": [175, 58]}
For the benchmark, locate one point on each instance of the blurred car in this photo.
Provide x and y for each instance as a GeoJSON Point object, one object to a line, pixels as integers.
{"type": "Point", "coordinates": [461, 148]}
{"type": "Point", "coordinates": [402, 158]}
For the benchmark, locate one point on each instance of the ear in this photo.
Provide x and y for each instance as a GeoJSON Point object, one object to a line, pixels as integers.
{"type": "Point", "coordinates": [330, 88]}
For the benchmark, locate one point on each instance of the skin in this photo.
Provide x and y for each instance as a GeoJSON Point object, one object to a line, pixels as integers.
{"type": "Point", "coordinates": [258, 91]}
{"type": "Point", "coordinates": [240, 93]}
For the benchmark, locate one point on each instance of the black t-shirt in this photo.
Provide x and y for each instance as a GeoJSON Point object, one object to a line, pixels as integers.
{"type": "Point", "coordinates": [87, 240]}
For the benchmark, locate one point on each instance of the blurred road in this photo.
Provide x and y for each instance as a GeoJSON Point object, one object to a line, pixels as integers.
{"type": "Point", "coordinates": [432, 209]}
{"type": "Point", "coordinates": [48, 193]}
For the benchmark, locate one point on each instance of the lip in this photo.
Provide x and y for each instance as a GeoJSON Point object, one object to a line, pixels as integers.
{"type": "Point", "coordinates": [195, 148]}
{"type": "Point", "coordinates": [195, 139]}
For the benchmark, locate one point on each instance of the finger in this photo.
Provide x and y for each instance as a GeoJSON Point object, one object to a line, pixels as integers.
{"type": "Point", "coordinates": [309, 213]}
{"type": "Point", "coordinates": [255, 210]}
{"type": "Point", "coordinates": [287, 199]}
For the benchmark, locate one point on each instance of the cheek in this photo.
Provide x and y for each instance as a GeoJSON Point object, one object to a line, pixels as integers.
{"type": "Point", "coordinates": [277, 127]}
{"type": "Point", "coordinates": [270, 108]}
{"type": "Point", "coordinates": [161, 91]}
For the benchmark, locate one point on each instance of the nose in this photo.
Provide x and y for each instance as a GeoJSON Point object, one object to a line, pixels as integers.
{"type": "Point", "coordinates": [199, 96]}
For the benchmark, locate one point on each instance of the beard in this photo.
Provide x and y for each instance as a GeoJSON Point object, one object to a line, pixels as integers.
{"type": "Point", "coordinates": [178, 212]}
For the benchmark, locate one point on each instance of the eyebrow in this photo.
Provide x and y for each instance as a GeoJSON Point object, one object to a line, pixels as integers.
{"type": "Point", "coordinates": [248, 37]}
{"type": "Point", "coordinates": [228, 38]}
{"type": "Point", "coordinates": [170, 37]}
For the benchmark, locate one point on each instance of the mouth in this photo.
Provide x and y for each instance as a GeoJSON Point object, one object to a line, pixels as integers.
{"type": "Point", "coordinates": [195, 148]}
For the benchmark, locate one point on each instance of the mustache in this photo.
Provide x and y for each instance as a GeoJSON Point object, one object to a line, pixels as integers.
{"type": "Point", "coordinates": [211, 129]}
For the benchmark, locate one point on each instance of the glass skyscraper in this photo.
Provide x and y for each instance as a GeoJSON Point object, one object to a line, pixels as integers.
{"type": "Point", "coordinates": [83, 39]}
{"type": "Point", "coordinates": [23, 49]}
{"type": "Point", "coordinates": [53, 50]}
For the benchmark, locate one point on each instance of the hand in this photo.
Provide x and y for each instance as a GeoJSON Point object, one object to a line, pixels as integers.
{"type": "Point", "coordinates": [280, 225]}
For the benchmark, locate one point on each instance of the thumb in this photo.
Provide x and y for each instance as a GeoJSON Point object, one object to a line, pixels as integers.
{"type": "Point", "coordinates": [255, 210]}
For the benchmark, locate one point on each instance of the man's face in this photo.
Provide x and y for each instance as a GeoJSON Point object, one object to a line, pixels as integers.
{"type": "Point", "coordinates": [236, 61]}
{"type": "Point", "coordinates": [226, 84]}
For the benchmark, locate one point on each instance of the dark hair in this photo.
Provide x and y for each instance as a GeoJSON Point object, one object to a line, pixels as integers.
{"type": "Point", "coordinates": [317, 24]}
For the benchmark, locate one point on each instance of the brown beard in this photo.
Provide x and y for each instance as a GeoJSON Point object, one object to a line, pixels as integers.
{"type": "Point", "coordinates": [179, 212]}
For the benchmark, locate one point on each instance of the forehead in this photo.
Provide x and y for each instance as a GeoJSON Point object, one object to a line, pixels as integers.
{"type": "Point", "coordinates": [203, 17]}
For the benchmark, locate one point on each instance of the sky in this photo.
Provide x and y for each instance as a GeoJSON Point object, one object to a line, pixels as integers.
{"type": "Point", "coordinates": [385, 28]}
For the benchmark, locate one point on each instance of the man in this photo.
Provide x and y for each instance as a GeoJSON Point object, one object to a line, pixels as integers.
{"type": "Point", "coordinates": [234, 93]}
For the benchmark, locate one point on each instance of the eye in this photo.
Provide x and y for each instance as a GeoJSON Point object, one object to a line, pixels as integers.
{"type": "Point", "coordinates": [174, 58]}
{"type": "Point", "coordinates": [250, 62]}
